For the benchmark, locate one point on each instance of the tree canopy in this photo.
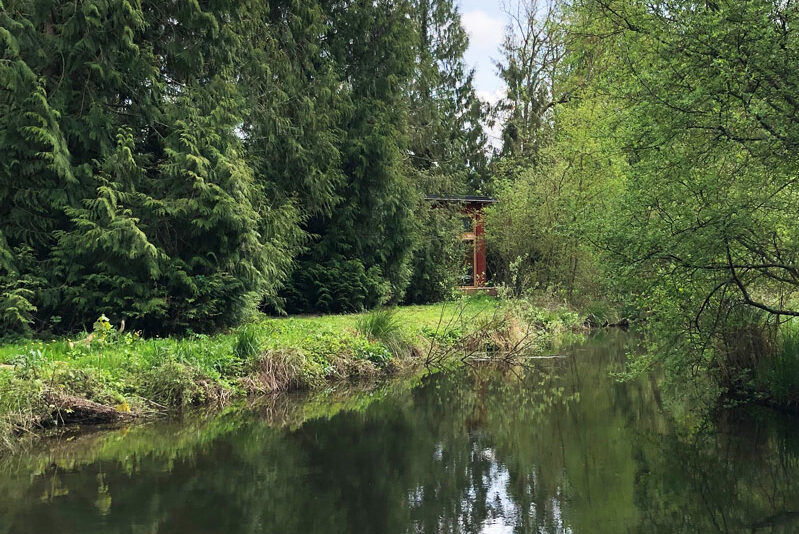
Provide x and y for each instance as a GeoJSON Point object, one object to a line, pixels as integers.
{"type": "Point", "coordinates": [180, 165]}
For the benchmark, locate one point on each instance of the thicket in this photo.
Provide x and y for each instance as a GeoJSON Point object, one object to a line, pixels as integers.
{"type": "Point", "coordinates": [179, 165]}
{"type": "Point", "coordinates": [650, 155]}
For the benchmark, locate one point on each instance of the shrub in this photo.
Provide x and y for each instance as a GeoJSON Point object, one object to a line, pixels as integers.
{"type": "Point", "coordinates": [21, 405]}
{"type": "Point", "coordinates": [173, 384]}
{"type": "Point", "coordinates": [743, 343]}
{"type": "Point", "coordinates": [338, 285]}
{"type": "Point", "coordinates": [283, 370]}
{"type": "Point", "coordinates": [779, 376]}
{"type": "Point", "coordinates": [598, 313]}
{"type": "Point", "coordinates": [28, 363]}
{"type": "Point", "coordinates": [99, 385]}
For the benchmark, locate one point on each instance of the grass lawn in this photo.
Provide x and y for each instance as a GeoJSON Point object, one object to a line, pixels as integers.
{"type": "Point", "coordinates": [210, 352]}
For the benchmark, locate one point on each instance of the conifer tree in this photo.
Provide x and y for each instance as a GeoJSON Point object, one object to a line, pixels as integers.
{"type": "Point", "coordinates": [362, 252]}
{"type": "Point", "coordinates": [166, 162]}
{"type": "Point", "coordinates": [140, 203]}
{"type": "Point", "coordinates": [447, 144]}
{"type": "Point", "coordinates": [447, 141]}
{"type": "Point", "coordinates": [532, 52]}
{"type": "Point", "coordinates": [295, 105]}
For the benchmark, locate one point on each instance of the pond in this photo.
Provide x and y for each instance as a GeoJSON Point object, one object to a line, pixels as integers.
{"type": "Point", "coordinates": [555, 446]}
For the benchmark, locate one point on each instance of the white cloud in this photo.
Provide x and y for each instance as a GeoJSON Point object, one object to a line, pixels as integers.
{"type": "Point", "coordinates": [486, 33]}
{"type": "Point", "coordinates": [494, 96]}
{"type": "Point", "coordinates": [485, 36]}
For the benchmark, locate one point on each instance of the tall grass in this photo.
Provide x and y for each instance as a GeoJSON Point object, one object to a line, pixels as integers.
{"type": "Point", "coordinates": [136, 375]}
{"type": "Point", "coordinates": [248, 342]}
{"type": "Point", "coordinates": [383, 326]}
{"type": "Point", "coordinates": [780, 375]}
{"type": "Point", "coordinates": [744, 343]}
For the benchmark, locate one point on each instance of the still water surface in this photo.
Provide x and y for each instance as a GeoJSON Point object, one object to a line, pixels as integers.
{"type": "Point", "coordinates": [559, 447]}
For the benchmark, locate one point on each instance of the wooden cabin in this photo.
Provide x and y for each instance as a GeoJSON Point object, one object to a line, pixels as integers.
{"type": "Point", "coordinates": [473, 236]}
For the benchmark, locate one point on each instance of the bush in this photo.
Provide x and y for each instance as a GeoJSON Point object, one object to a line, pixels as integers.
{"type": "Point", "coordinates": [534, 236]}
{"type": "Point", "coordinates": [599, 313]}
{"type": "Point", "coordinates": [98, 385]}
{"type": "Point", "coordinates": [283, 370]}
{"type": "Point", "coordinates": [743, 343]}
{"type": "Point", "coordinates": [173, 384]}
{"type": "Point", "coordinates": [248, 342]}
{"type": "Point", "coordinates": [437, 256]}
{"type": "Point", "coordinates": [21, 405]}
{"type": "Point", "coordinates": [338, 285]}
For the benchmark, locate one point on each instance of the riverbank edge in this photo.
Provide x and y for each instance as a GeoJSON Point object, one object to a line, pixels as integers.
{"type": "Point", "coordinates": [109, 375]}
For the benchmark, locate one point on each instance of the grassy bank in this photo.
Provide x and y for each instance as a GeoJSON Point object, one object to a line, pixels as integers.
{"type": "Point", "coordinates": [108, 375]}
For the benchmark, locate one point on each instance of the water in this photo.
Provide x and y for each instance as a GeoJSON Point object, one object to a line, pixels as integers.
{"type": "Point", "coordinates": [558, 447]}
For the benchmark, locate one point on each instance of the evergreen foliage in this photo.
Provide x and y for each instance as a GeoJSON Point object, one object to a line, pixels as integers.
{"type": "Point", "coordinates": [370, 231]}
{"type": "Point", "coordinates": [447, 139]}
{"type": "Point", "coordinates": [172, 164]}
{"type": "Point", "coordinates": [438, 255]}
{"type": "Point", "coordinates": [125, 186]}
{"type": "Point", "coordinates": [447, 146]}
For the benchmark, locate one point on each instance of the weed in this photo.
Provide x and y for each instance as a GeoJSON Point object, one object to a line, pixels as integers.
{"type": "Point", "coordinates": [446, 336]}
{"type": "Point", "coordinates": [28, 363]}
{"type": "Point", "coordinates": [282, 370]}
{"type": "Point", "coordinates": [21, 406]}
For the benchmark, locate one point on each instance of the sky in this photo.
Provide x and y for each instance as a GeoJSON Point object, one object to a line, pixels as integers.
{"type": "Point", "coordinates": [484, 20]}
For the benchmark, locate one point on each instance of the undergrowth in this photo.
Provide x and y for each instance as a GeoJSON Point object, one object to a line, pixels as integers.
{"type": "Point", "coordinates": [778, 376]}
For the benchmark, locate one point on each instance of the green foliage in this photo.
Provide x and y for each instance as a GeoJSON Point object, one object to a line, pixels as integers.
{"type": "Point", "coordinates": [137, 200]}
{"type": "Point", "coordinates": [28, 364]}
{"type": "Point", "coordinates": [173, 384]}
{"type": "Point", "coordinates": [248, 342]}
{"type": "Point", "coordinates": [338, 285]}
{"type": "Point", "coordinates": [445, 336]}
{"type": "Point", "coordinates": [531, 54]}
{"type": "Point", "coordinates": [600, 313]}
{"type": "Point", "coordinates": [381, 324]}
{"type": "Point", "coordinates": [167, 165]}
{"type": "Point", "coordinates": [649, 159]}
{"type": "Point", "coordinates": [141, 375]}
{"type": "Point", "coordinates": [698, 227]}
{"type": "Point", "coordinates": [778, 376]}
{"type": "Point", "coordinates": [437, 256]}
{"type": "Point", "coordinates": [556, 203]}
{"type": "Point", "coordinates": [447, 142]}
{"type": "Point", "coordinates": [383, 327]}
{"type": "Point", "coordinates": [20, 404]}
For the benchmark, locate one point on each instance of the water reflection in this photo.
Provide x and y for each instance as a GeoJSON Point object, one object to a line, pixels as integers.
{"type": "Point", "coordinates": [557, 447]}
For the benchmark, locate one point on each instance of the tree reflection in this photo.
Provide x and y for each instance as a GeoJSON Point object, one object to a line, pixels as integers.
{"type": "Point", "coordinates": [552, 447]}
